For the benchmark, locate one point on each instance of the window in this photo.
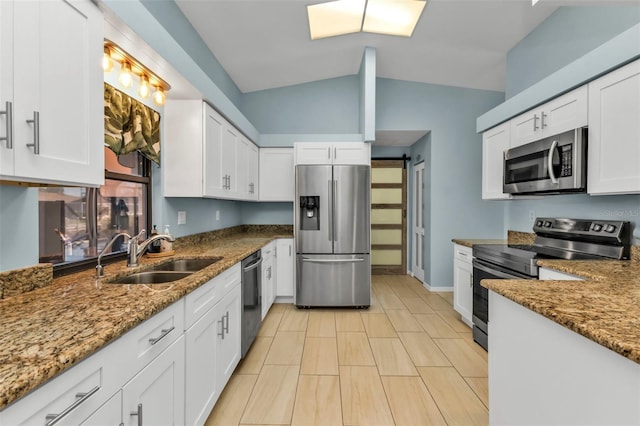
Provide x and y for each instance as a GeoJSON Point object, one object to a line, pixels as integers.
{"type": "Point", "coordinates": [76, 223]}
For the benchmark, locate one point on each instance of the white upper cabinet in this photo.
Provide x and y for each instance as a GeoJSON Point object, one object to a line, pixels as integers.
{"type": "Point", "coordinates": [563, 113]}
{"type": "Point", "coordinates": [277, 182]}
{"type": "Point", "coordinates": [614, 132]}
{"type": "Point", "coordinates": [205, 156]}
{"type": "Point", "coordinates": [52, 83]}
{"type": "Point", "coordinates": [332, 153]}
{"type": "Point", "coordinates": [494, 142]}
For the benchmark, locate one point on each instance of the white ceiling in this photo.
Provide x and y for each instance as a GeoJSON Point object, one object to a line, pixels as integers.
{"type": "Point", "coordinates": [264, 44]}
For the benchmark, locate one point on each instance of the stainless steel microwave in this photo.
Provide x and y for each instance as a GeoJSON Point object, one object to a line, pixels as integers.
{"type": "Point", "coordinates": [551, 165]}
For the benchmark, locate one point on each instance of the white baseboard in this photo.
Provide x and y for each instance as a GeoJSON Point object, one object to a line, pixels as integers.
{"type": "Point", "coordinates": [438, 289]}
{"type": "Point", "coordinates": [284, 299]}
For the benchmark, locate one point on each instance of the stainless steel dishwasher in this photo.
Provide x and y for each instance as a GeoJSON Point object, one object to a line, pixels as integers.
{"type": "Point", "coordinates": [251, 299]}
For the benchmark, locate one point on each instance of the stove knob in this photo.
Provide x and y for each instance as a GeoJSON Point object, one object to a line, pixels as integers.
{"type": "Point", "coordinates": [597, 227]}
{"type": "Point", "coordinates": [538, 223]}
{"type": "Point", "coordinates": [547, 224]}
{"type": "Point", "coordinates": [610, 229]}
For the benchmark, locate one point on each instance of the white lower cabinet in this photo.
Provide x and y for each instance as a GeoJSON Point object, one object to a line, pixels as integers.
{"type": "Point", "coordinates": [463, 282]}
{"type": "Point", "coordinates": [268, 277]}
{"type": "Point", "coordinates": [212, 343]}
{"type": "Point", "coordinates": [156, 394]}
{"type": "Point", "coordinates": [550, 274]}
{"type": "Point", "coordinates": [109, 414]}
{"type": "Point", "coordinates": [285, 265]}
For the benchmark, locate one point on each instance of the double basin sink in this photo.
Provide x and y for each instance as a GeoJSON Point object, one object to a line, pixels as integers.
{"type": "Point", "coordinates": [167, 272]}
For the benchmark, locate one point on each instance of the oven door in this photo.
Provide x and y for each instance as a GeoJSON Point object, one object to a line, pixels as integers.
{"type": "Point", "coordinates": [487, 271]}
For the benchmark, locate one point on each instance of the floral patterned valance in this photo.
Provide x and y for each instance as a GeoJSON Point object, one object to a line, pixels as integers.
{"type": "Point", "coordinates": [130, 126]}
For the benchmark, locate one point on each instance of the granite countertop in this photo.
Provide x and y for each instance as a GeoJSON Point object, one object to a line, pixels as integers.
{"type": "Point", "coordinates": [46, 331]}
{"type": "Point", "coordinates": [604, 308]}
{"type": "Point", "coordinates": [472, 242]}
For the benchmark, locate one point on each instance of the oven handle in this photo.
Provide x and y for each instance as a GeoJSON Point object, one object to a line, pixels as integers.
{"type": "Point", "coordinates": [553, 177]}
{"type": "Point", "coordinates": [494, 270]}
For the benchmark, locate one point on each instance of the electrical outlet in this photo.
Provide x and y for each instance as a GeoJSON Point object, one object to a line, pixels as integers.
{"type": "Point", "coordinates": [182, 217]}
{"type": "Point", "coordinates": [217, 214]}
{"type": "Point", "coordinates": [532, 215]}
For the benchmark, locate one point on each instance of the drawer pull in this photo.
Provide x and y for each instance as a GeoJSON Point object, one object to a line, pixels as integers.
{"type": "Point", "coordinates": [138, 413]}
{"type": "Point", "coordinates": [461, 253]}
{"type": "Point", "coordinates": [52, 419]}
{"type": "Point", "coordinates": [163, 334]}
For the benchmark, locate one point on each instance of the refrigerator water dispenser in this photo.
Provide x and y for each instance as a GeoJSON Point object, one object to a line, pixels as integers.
{"type": "Point", "coordinates": [310, 213]}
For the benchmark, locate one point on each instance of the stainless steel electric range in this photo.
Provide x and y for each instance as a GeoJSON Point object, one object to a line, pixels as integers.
{"type": "Point", "coordinates": [555, 239]}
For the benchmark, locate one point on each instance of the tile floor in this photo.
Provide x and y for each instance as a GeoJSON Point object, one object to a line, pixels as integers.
{"type": "Point", "coordinates": [408, 360]}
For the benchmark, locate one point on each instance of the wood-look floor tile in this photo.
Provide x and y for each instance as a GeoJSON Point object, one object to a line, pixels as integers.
{"type": "Point", "coordinates": [273, 396]}
{"type": "Point", "coordinates": [286, 348]}
{"type": "Point", "coordinates": [391, 358]}
{"type": "Point", "coordinates": [390, 301]}
{"type": "Point", "coordinates": [464, 359]}
{"type": "Point", "coordinates": [435, 326]}
{"type": "Point", "coordinates": [280, 307]}
{"type": "Point", "coordinates": [320, 356]}
{"type": "Point", "coordinates": [270, 324]}
{"type": "Point", "coordinates": [253, 361]}
{"type": "Point", "coordinates": [402, 320]}
{"type": "Point", "coordinates": [349, 321]}
{"type": "Point", "coordinates": [354, 349]}
{"type": "Point", "coordinates": [411, 404]}
{"type": "Point", "coordinates": [374, 308]}
{"type": "Point", "coordinates": [480, 385]}
{"type": "Point", "coordinates": [233, 400]}
{"type": "Point", "coordinates": [448, 296]}
{"type": "Point", "coordinates": [468, 338]}
{"type": "Point", "coordinates": [437, 302]}
{"type": "Point", "coordinates": [321, 324]}
{"type": "Point", "coordinates": [318, 401]}
{"type": "Point", "coordinates": [416, 305]}
{"type": "Point", "coordinates": [457, 402]}
{"type": "Point", "coordinates": [363, 399]}
{"type": "Point", "coordinates": [294, 320]}
{"type": "Point", "coordinates": [452, 318]}
{"type": "Point", "coordinates": [423, 350]}
{"type": "Point", "coordinates": [378, 325]}
{"type": "Point", "coordinates": [403, 290]}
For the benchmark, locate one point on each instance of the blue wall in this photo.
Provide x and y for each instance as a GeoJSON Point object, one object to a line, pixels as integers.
{"type": "Point", "coordinates": [454, 150]}
{"type": "Point", "coordinates": [566, 35]}
{"type": "Point", "coordinates": [18, 227]}
{"type": "Point", "coordinates": [325, 106]}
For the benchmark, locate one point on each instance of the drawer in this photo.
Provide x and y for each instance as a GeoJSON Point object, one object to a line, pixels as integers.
{"type": "Point", "coordinates": [269, 250]}
{"type": "Point", "coordinates": [199, 301]}
{"type": "Point", "coordinates": [462, 253]}
{"type": "Point", "coordinates": [68, 398]}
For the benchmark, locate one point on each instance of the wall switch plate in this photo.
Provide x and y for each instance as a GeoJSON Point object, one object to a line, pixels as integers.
{"type": "Point", "coordinates": [217, 214]}
{"type": "Point", "coordinates": [532, 215]}
{"type": "Point", "coordinates": [182, 217]}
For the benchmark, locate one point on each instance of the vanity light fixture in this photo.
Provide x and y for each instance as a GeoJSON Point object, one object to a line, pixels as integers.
{"type": "Point", "coordinates": [130, 66]}
{"type": "Point", "coordinates": [391, 17]}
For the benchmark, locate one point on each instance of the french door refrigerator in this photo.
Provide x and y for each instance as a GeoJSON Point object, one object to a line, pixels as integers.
{"type": "Point", "coordinates": [332, 231]}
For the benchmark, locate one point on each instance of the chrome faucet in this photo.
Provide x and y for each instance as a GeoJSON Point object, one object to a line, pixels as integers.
{"type": "Point", "coordinates": [136, 249]}
{"type": "Point", "coordinates": [99, 267]}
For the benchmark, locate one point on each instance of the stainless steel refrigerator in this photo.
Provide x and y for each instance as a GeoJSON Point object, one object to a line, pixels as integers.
{"type": "Point", "coordinates": [332, 231]}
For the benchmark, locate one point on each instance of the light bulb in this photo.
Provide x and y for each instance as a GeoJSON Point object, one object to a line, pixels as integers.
{"type": "Point", "coordinates": [145, 89]}
{"type": "Point", "coordinates": [125, 75]}
{"type": "Point", "coordinates": [159, 96]}
{"type": "Point", "coordinates": [107, 63]}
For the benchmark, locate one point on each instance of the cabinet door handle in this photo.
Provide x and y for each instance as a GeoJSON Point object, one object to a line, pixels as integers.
{"type": "Point", "coordinates": [335, 152]}
{"type": "Point", "coordinates": [138, 413]}
{"type": "Point", "coordinates": [289, 250]}
{"type": "Point", "coordinates": [470, 280]}
{"type": "Point", "coordinates": [542, 123]}
{"type": "Point", "coordinates": [461, 253]}
{"type": "Point", "coordinates": [36, 132]}
{"type": "Point", "coordinates": [225, 328]}
{"type": "Point", "coordinates": [329, 153]}
{"type": "Point", "coordinates": [163, 334]}
{"type": "Point", "coordinates": [8, 111]}
{"type": "Point", "coordinates": [52, 419]}
{"type": "Point", "coordinates": [221, 322]}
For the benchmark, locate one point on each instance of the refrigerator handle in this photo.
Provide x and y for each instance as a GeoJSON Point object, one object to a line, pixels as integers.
{"type": "Point", "coordinates": [333, 213]}
{"type": "Point", "coordinates": [330, 213]}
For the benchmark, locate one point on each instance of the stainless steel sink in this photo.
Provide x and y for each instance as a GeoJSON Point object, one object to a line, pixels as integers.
{"type": "Point", "coordinates": [151, 277]}
{"type": "Point", "coordinates": [186, 265]}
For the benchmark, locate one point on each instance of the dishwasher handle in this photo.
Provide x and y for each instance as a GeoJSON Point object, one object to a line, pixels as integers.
{"type": "Point", "coordinates": [253, 265]}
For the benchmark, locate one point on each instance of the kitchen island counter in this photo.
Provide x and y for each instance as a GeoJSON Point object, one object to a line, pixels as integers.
{"type": "Point", "coordinates": [604, 308]}
{"type": "Point", "coordinates": [46, 331]}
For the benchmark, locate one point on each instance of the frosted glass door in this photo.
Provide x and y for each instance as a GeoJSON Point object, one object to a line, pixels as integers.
{"type": "Point", "coordinates": [418, 222]}
{"type": "Point", "coordinates": [388, 217]}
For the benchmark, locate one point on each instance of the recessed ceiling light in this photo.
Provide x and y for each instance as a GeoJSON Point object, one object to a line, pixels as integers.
{"type": "Point", "coordinates": [393, 17]}
{"type": "Point", "coordinates": [335, 18]}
